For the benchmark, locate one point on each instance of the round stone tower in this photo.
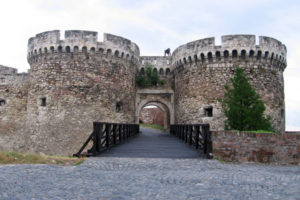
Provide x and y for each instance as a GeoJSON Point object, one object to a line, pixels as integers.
{"type": "Point", "coordinates": [201, 69]}
{"type": "Point", "coordinates": [74, 82]}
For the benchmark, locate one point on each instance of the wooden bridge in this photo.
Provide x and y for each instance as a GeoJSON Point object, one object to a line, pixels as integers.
{"type": "Point", "coordinates": [148, 143]}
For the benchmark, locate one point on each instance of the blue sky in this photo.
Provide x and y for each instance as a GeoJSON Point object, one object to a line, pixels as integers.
{"type": "Point", "coordinates": [157, 24]}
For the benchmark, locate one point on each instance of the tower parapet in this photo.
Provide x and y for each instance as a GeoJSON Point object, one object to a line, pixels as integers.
{"type": "Point", "coordinates": [81, 42]}
{"type": "Point", "coordinates": [233, 47]}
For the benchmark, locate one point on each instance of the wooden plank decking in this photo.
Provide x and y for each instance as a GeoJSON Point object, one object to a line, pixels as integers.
{"type": "Point", "coordinates": [153, 144]}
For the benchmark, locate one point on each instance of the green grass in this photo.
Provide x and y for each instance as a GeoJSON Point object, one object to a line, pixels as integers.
{"type": "Point", "coordinates": [154, 126]}
{"type": "Point", "coordinates": [256, 131]}
{"type": "Point", "coordinates": [20, 158]}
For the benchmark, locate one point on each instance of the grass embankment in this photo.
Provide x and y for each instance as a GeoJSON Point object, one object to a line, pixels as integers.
{"type": "Point", "coordinates": [154, 126]}
{"type": "Point", "coordinates": [20, 158]}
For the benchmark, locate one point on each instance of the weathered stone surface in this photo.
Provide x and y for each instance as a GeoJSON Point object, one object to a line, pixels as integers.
{"type": "Point", "coordinates": [152, 116]}
{"type": "Point", "coordinates": [256, 147]}
{"type": "Point", "coordinates": [201, 70]}
{"type": "Point", "coordinates": [78, 80]}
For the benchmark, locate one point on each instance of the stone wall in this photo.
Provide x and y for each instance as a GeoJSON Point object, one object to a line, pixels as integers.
{"type": "Point", "coordinates": [13, 108]}
{"type": "Point", "coordinates": [256, 147]}
{"type": "Point", "coordinates": [74, 82]}
{"type": "Point", "coordinates": [202, 69]}
{"type": "Point", "coordinates": [77, 80]}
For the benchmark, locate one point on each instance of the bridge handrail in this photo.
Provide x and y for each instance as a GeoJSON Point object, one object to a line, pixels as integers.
{"type": "Point", "coordinates": [196, 135]}
{"type": "Point", "coordinates": [106, 135]}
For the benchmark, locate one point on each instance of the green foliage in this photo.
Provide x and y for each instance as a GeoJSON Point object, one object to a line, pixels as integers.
{"type": "Point", "coordinates": [154, 78]}
{"type": "Point", "coordinates": [162, 81]}
{"type": "Point", "coordinates": [154, 126]}
{"type": "Point", "coordinates": [142, 81]}
{"type": "Point", "coordinates": [150, 78]}
{"type": "Point", "coordinates": [242, 106]}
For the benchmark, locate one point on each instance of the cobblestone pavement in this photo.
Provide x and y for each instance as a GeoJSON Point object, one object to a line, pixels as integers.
{"type": "Point", "coordinates": [150, 178]}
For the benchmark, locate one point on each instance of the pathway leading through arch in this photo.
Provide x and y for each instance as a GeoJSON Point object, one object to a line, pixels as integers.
{"type": "Point", "coordinates": [153, 144]}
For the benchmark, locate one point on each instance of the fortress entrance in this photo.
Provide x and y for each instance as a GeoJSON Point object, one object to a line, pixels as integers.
{"type": "Point", "coordinates": [161, 99]}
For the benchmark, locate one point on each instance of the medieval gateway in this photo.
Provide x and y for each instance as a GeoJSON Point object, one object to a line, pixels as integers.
{"type": "Point", "coordinates": [78, 80]}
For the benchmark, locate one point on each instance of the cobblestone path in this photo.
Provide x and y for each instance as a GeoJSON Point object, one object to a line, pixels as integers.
{"type": "Point", "coordinates": [134, 176]}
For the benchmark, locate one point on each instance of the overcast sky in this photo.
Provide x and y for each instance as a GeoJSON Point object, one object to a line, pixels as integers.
{"type": "Point", "coordinates": [156, 25]}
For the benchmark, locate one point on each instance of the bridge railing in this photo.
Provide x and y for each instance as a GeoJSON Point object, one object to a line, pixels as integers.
{"type": "Point", "coordinates": [196, 135]}
{"type": "Point", "coordinates": [107, 135]}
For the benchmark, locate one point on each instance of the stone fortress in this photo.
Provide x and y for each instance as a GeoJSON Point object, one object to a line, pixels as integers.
{"type": "Point", "coordinates": [78, 80]}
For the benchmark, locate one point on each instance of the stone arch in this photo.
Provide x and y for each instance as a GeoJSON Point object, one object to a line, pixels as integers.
{"type": "Point", "coordinates": [161, 71]}
{"type": "Point", "coordinates": [168, 71]}
{"type": "Point", "coordinates": [68, 49]}
{"type": "Point", "coordinates": [160, 103]}
{"type": "Point", "coordinates": [59, 49]}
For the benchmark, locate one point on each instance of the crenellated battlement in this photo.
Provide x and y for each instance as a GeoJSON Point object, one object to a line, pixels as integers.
{"type": "Point", "coordinates": [81, 42]}
{"type": "Point", "coordinates": [233, 47]}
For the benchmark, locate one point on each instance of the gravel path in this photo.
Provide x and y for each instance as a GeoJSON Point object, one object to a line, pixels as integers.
{"type": "Point", "coordinates": [149, 177]}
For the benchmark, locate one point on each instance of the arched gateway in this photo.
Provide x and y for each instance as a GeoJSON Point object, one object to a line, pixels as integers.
{"type": "Point", "coordinates": [163, 99]}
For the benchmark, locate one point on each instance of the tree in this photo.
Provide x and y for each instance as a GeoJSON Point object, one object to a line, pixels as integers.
{"type": "Point", "coordinates": [242, 105]}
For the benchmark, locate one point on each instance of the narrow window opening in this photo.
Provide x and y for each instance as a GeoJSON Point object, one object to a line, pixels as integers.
{"type": "Point", "coordinates": [68, 50]}
{"type": "Point", "coordinates": [2, 102]}
{"type": "Point", "coordinates": [251, 53]}
{"type": "Point", "coordinates": [195, 58]}
{"type": "Point", "coordinates": [218, 55]}
{"type": "Point", "coordinates": [43, 101]}
{"type": "Point", "coordinates": [209, 56]}
{"type": "Point", "coordinates": [226, 54]}
{"type": "Point", "coordinates": [282, 112]}
{"type": "Point", "coordinates": [258, 55]}
{"type": "Point", "coordinates": [234, 53]}
{"type": "Point", "coordinates": [266, 54]}
{"type": "Point", "coordinates": [52, 49]}
{"type": "Point", "coordinates": [208, 112]}
{"type": "Point", "coordinates": [59, 49]}
{"type": "Point", "coordinates": [167, 71]}
{"type": "Point", "coordinates": [243, 54]}
{"type": "Point", "coordinates": [119, 106]}
{"type": "Point", "coordinates": [161, 71]}
{"type": "Point", "coordinates": [202, 57]}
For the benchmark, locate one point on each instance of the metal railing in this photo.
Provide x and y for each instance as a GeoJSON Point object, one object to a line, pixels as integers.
{"type": "Point", "coordinates": [107, 135]}
{"type": "Point", "coordinates": [196, 135]}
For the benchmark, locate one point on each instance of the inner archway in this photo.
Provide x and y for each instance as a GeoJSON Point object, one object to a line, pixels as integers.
{"type": "Point", "coordinates": [163, 106]}
{"type": "Point", "coordinates": [154, 115]}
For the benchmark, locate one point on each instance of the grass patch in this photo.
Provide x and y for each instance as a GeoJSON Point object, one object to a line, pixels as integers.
{"type": "Point", "coordinates": [154, 126]}
{"type": "Point", "coordinates": [256, 131]}
{"type": "Point", "coordinates": [261, 131]}
{"type": "Point", "coordinates": [20, 158]}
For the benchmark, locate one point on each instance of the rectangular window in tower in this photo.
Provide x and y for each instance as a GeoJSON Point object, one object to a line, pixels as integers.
{"type": "Point", "coordinates": [43, 101]}
{"type": "Point", "coordinates": [208, 112]}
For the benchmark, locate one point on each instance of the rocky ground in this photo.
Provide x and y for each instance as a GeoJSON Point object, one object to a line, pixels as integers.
{"type": "Point", "coordinates": [137, 175]}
